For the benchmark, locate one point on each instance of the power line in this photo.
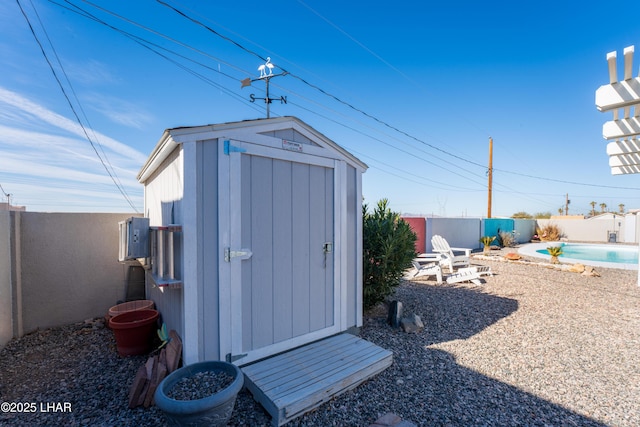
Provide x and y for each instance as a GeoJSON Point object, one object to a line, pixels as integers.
{"type": "Point", "coordinates": [7, 195]}
{"type": "Point", "coordinates": [143, 27]}
{"type": "Point", "coordinates": [427, 182]}
{"type": "Point", "coordinates": [376, 119]}
{"type": "Point", "coordinates": [565, 182]}
{"type": "Point", "coordinates": [153, 46]}
{"type": "Point", "coordinates": [144, 42]}
{"type": "Point", "coordinates": [55, 53]}
{"type": "Point", "coordinates": [510, 190]}
{"type": "Point", "coordinates": [409, 153]}
{"type": "Point", "coordinates": [362, 45]}
{"type": "Point", "coordinates": [73, 108]}
{"type": "Point", "coordinates": [381, 59]}
{"type": "Point", "coordinates": [335, 97]}
{"type": "Point", "coordinates": [304, 81]}
{"type": "Point", "coordinates": [319, 89]}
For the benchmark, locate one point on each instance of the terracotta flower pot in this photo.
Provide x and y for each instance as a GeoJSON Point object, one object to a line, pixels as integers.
{"type": "Point", "coordinates": [134, 331]}
{"type": "Point", "coordinates": [143, 304]}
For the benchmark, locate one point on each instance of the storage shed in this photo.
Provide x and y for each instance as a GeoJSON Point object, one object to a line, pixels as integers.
{"type": "Point", "coordinates": [256, 237]}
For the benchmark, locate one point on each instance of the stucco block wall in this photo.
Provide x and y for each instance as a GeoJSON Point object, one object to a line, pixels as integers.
{"type": "Point", "coordinates": [419, 226]}
{"type": "Point", "coordinates": [459, 232]}
{"type": "Point", "coordinates": [6, 297]}
{"type": "Point", "coordinates": [525, 229]}
{"type": "Point", "coordinates": [67, 267]}
{"type": "Point", "coordinates": [589, 230]}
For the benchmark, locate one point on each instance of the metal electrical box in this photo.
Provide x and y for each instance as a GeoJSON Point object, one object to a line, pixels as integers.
{"type": "Point", "coordinates": [134, 238]}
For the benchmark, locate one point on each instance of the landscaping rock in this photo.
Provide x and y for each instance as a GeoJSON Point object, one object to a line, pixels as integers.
{"type": "Point", "coordinates": [577, 268]}
{"type": "Point", "coordinates": [492, 356]}
{"type": "Point", "coordinates": [590, 271]}
{"type": "Point", "coordinates": [391, 420]}
{"type": "Point", "coordinates": [412, 325]}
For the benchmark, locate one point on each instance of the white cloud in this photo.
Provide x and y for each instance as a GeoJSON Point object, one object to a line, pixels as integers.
{"type": "Point", "coordinates": [47, 163]}
{"type": "Point", "coordinates": [92, 73]}
{"type": "Point", "coordinates": [119, 111]}
{"type": "Point", "coordinates": [38, 167]}
{"type": "Point", "coordinates": [38, 112]}
{"type": "Point", "coordinates": [59, 148]}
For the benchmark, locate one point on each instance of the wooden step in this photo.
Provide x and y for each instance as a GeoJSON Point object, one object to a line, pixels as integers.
{"type": "Point", "coordinates": [292, 383]}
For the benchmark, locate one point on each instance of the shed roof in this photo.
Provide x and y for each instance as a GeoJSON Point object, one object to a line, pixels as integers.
{"type": "Point", "coordinates": [173, 137]}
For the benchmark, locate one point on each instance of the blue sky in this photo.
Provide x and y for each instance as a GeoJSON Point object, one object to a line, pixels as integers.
{"type": "Point", "coordinates": [420, 88]}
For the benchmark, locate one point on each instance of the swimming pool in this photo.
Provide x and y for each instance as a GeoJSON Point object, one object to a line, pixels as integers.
{"type": "Point", "coordinates": [603, 255]}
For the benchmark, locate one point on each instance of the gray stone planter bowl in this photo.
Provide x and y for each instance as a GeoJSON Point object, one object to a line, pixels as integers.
{"type": "Point", "coordinates": [214, 410]}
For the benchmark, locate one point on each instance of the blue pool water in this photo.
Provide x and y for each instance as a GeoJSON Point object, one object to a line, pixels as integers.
{"type": "Point", "coordinates": [602, 253]}
{"type": "Point", "coordinates": [607, 255]}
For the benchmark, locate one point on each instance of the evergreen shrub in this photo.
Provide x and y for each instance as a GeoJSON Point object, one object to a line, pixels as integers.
{"type": "Point", "coordinates": [388, 248]}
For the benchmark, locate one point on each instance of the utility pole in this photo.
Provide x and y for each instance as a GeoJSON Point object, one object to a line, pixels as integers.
{"type": "Point", "coordinates": [566, 205]}
{"type": "Point", "coordinates": [490, 174]}
{"type": "Point", "coordinates": [7, 195]}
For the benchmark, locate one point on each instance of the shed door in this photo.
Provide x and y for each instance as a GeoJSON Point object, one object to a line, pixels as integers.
{"type": "Point", "coordinates": [282, 284]}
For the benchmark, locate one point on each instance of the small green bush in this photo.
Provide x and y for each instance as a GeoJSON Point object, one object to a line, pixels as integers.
{"type": "Point", "coordinates": [555, 252]}
{"type": "Point", "coordinates": [388, 248]}
{"type": "Point", "coordinates": [487, 240]}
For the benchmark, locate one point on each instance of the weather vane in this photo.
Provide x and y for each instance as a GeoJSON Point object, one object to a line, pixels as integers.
{"type": "Point", "coordinates": [266, 74]}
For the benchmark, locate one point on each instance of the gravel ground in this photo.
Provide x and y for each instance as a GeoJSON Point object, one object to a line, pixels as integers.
{"type": "Point", "coordinates": [531, 346]}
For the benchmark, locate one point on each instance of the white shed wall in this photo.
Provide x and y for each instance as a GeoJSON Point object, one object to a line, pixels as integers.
{"type": "Point", "coordinates": [163, 196]}
{"type": "Point", "coordinates": [184, 189]}
{"type": "Point", "coordinates": [353, 246]}
{"type": "Point", "coordinates": [205, 214]}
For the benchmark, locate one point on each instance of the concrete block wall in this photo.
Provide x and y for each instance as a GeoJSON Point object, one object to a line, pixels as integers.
{"type": "Point", "coordinates": [595, 230]}
{"type": "Point", "coordinates": [57, 268]}
{"type": "Point", "coordinates": [466, 232]}
{"type": "Point", "coordinates": [6, 298]}
{"type": "Point", "coordinates": [419, 226]}
{"type": "Point", "coordinates": [60, 268]}
{"type": "Point", "coordinates": [459, 232]}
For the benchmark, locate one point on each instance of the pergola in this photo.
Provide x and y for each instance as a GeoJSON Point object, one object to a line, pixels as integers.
{"type": "Point", "coordinates": [620, 97]}
{"type": "Point", "coordinates": [624, 130]}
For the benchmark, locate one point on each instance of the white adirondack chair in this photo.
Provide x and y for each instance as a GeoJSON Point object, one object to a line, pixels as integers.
{"type": "Point", "coordinates": [465, 275]}
{"type": "Point", "coordinates": [431, 268]}
{"type": "Point", "coordinates": [448, 254]}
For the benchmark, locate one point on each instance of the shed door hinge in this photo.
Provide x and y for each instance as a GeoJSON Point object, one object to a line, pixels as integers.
{"type": "Point", "coordinates": [228, 148]}
{"type": "Point", "coordinates": [242, 254]}
{"type": "Point", "coordinates": [233, 357]}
